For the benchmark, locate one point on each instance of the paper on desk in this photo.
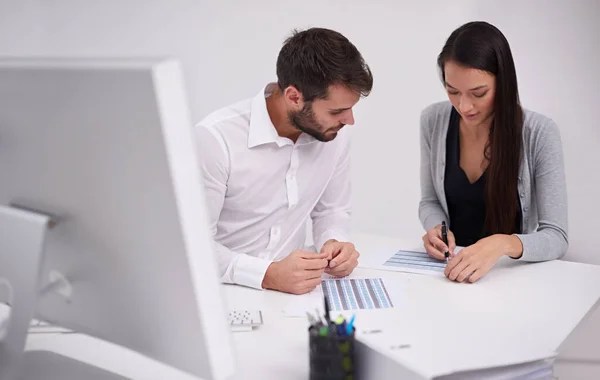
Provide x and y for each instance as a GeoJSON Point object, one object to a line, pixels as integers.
{"type": "Point", "coordinates": [301, 304]}
{"type": "Point", "coordinates": [343, 294]}
{"type": "Point", "coordinates": [536, 370]}
{"type": "Point", "coordinates": [408, 261]}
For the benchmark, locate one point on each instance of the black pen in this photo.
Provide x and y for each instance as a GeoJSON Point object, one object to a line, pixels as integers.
{"type": "Point", "coordinates": [327, 318]}
{"type": "Point", "coordinates": [445, 239]}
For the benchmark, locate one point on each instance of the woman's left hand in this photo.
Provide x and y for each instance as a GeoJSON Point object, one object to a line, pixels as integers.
{"type": "Point", "coordinates": [474, 261]}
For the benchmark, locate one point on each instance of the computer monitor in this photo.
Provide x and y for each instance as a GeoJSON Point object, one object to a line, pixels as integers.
{"type": "Point", "coordinates": [107, 148]}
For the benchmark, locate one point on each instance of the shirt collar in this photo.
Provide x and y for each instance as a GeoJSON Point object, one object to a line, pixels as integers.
{"type": "Point", "coordinates": [262, 131]}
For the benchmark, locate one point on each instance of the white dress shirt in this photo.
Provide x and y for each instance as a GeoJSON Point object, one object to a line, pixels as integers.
{"type": "Point", "coordinates": [261, 189]}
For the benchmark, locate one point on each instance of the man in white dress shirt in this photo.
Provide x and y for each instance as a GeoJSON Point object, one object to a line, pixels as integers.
{"type": "Point", "coordinates": [271, 162]}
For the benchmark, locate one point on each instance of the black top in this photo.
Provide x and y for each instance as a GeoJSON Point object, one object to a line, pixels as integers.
{"type": "Point", "coordinates": [466, 200]}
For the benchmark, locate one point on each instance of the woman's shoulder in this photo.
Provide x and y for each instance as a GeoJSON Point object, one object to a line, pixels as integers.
{"type": "Point", "coordinates": [436, 109]}
{"type": "Point", "coordinates": [435, 114]}
{"type": "Point", "coordinates": [536, 120]}
{"type": "Point", "coordinates": [539, 129]}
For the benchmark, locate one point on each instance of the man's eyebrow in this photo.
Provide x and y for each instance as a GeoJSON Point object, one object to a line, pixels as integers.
{"type": "Point", "coordinates": [339, 109]}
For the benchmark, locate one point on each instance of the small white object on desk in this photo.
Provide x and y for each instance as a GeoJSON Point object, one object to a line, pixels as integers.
{"type": "Point", "coordinates": [244, 320]}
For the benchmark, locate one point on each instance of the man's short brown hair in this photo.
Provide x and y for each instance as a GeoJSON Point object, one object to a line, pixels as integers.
{"type": "Point", "coordinates": [316, 58]}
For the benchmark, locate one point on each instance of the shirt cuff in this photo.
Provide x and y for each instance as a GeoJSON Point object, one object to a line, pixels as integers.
{"type": "Point", "coordinates": [250, 271]}
{"type": "Point", "coordinates": [328, 235]}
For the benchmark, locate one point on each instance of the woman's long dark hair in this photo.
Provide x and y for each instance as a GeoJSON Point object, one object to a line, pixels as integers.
{"type": "Point", "coordinates": [482, 46]}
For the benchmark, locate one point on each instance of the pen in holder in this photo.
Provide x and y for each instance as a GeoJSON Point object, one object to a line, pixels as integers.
{"type": "Point", "coordinates": [331, 345]}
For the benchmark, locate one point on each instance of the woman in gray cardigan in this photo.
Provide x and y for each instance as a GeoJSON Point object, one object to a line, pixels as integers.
{"type": "Point", "coordinates": [491, 170]}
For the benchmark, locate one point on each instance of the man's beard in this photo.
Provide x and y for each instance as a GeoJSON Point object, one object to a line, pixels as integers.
{"type": "Point", "coordinates": [304, 120]}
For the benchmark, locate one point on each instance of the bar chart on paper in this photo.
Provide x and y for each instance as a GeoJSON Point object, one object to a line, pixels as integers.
{"type": "Point", "coordinates": [356, 293]}
{"type": "Point", "coordinates": [415, 261]}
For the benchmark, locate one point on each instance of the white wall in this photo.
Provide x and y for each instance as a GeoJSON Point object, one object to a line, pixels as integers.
{"type": "Point", "coordinates": [228, 50]}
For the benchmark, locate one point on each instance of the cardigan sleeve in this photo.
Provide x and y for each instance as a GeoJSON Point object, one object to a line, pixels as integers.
{"type": "Point", "coordinates": [431, 212]}
{"type": "Point", "coordinates": [550, 240]}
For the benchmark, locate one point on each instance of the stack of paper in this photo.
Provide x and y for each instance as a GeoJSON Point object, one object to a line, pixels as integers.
{"type": "Point", "coordinates": [537, 370]}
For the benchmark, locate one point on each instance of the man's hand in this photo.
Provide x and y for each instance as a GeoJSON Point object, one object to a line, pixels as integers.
{"type": "Point", "coordinates": [298, 273]}
{"type": "Point", "coordinates": [343, 257]}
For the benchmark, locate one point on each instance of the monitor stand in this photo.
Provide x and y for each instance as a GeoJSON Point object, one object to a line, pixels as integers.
{"type": "Point", "coordinates": [22, 235]}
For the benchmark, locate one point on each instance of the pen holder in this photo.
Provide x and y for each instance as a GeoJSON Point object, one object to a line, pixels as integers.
{"type": "Point", "coordinates": [331, 356]}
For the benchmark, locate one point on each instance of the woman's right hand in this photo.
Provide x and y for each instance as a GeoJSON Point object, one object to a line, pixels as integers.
{"type": "Point", "coordinates": [434, 245]}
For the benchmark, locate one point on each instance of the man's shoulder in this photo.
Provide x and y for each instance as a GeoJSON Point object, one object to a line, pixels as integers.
{"type": "Point", "coordinates": [227, 125]}
{"type": "Point", "coordinates": [237, 113]}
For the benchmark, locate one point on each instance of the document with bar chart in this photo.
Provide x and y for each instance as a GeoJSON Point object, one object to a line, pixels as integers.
{"type": "Point", "coordinates": [356, 294]}
{"type": "Point", "coordinates": [415, 262]}
{"type": "Point", "coordinates": [342, 294]}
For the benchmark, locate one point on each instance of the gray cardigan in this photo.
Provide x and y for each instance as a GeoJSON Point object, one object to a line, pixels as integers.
{"type": "Point", "coordinates": [542, 185]}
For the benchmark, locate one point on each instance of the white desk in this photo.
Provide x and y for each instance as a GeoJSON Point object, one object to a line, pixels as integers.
{"type": "Point", "coordinates": [517, 308]}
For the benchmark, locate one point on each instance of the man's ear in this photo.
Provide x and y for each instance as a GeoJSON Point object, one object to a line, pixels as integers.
{"type": "Point", "coordinates": [293, 97]}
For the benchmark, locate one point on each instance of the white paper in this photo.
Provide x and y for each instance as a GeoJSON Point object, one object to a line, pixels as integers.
{"type": "Point", "coordinates": [299, 305]}
{"type": "Point", "coordinates": [541, 369]}
{"type": "Point", "coordinates": [428, 266]}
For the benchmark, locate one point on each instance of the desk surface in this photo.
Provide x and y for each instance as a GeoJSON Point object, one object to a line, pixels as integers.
{"type": "Point", "coordinates": [513, 311]}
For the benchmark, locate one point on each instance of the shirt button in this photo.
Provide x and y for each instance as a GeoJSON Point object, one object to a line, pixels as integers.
{"type": "Point", "coordinates": [263, 255]}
